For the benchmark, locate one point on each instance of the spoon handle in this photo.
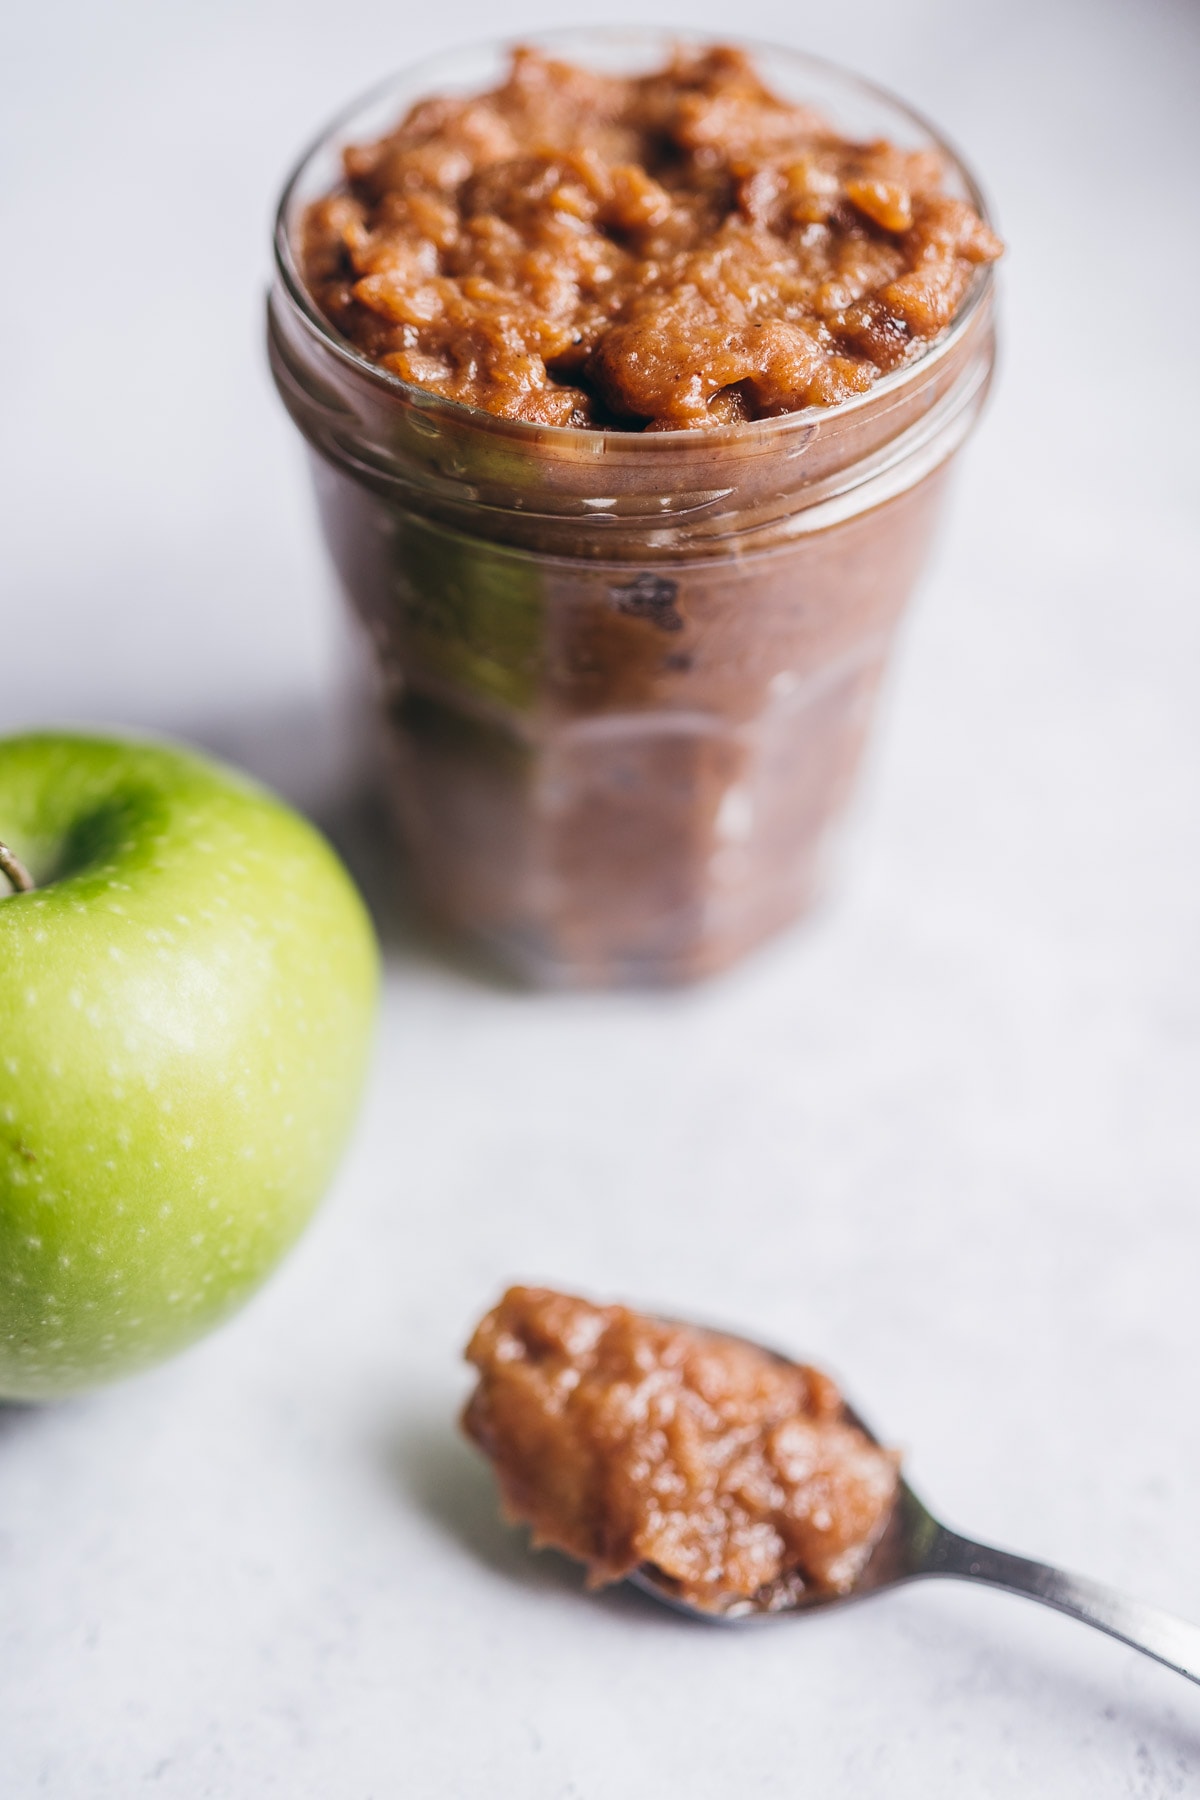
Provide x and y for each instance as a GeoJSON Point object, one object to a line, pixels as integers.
{"type": "Point", "coordinates": [1160, 1635]}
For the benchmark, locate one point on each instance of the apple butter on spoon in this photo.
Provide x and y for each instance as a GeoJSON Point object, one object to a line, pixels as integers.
{"type": "Point", "coordinates": [723, 1478]}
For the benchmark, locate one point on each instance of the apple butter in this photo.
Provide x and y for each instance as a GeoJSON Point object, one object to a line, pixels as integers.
{"type": "Point", "coordinates": [673, 250]}
{"type": "Point", "coordinates": [625, 1440]}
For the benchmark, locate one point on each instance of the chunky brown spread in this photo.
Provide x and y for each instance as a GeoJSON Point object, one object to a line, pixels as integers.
{"type": "Point", "coordinates": [677, 249]}
{"type": "Point", "coordinates": [624, 1440]}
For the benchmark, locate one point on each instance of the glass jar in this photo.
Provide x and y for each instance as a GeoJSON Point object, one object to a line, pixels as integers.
{"type": "Point", "coordinates": [627, 677]}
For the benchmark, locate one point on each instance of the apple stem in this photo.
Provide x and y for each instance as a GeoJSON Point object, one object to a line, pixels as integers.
{"type": "Point", "coordinates": [12, 867]}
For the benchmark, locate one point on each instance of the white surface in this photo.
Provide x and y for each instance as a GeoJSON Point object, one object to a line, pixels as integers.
{"type": "Point", "coordinates": [944, 1140]}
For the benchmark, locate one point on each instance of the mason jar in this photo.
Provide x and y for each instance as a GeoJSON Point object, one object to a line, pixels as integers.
{"type": "Point", "coordinates": [627, 678]}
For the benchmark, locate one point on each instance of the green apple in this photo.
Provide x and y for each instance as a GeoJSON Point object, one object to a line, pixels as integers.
{"type": "Point", "coordinates": [186, 998]}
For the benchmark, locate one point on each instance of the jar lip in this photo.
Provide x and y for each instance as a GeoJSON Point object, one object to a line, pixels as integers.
{"type": "Point", "coordinates": [587, 438]}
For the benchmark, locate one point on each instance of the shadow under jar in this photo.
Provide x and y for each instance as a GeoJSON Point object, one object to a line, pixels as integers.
{"type": "Point", "coordinates": [628, 676]}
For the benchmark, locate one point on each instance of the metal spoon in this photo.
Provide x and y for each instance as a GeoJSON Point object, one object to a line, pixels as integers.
{"type": "Point", "coordinates": [915, 1544]}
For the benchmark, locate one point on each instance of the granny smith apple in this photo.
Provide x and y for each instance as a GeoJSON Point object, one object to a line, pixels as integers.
{"type": "Point", "coordinates": [187, 984]}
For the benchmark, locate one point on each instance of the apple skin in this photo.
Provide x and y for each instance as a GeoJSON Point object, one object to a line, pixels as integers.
{"type": "Point", "coordinates": [186, 1003]}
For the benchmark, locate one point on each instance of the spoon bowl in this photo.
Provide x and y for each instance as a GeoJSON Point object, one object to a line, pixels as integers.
{"type": "Point", "coordinates": [915, 1545]}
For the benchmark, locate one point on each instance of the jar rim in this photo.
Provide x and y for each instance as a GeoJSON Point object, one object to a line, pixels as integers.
{"type": "Point", "coordinates": [588, 437]}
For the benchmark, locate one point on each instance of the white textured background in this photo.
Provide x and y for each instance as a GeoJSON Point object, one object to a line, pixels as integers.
{"type": "Point", "coordinates": [944, 1140]}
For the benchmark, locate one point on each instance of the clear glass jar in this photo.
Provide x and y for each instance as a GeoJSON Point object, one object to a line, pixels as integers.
{"type": "Point", "coordinates": [627, 677]}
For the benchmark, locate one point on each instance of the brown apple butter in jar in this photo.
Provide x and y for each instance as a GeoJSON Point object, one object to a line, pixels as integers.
{"type": "Point", "coordinates": [632, 374]}
{"type": "Point", "coordinates": [624, 1440]}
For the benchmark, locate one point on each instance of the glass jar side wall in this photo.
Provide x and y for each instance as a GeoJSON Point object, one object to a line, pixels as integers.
{"type": "Point", "coordinates": [614, 776]}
